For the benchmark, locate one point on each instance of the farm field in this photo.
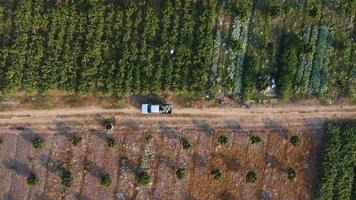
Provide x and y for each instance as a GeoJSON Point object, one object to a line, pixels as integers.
{"type": "Point", "coordinates": [162, 154]}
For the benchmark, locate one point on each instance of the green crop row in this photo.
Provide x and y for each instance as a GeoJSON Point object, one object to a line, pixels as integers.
{"type": "Point", "coordinates": [337, 172]}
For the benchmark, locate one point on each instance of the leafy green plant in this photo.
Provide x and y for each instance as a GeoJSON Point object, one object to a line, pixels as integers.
{"type": "Point", "coordinates": [32, 179]}
{"type": "Point", "coordinates": [13, 170]}
{"type": "Point", "coordinates": [255, 140]}
{"type": "Point", "coordinates": [180, 173]}
{"type": "Point", "coordinates": [185, 144]}
{"type": "Point", "coordinates": [308, 48]}
{"type": "Point", "coordinates": [67, 179]}
{"type": "Point", "coordinates": [275, 10]}
{"type": "Point", "coordinates": [143, 178]}
{"type": "Point", "coordinates": [295, 140]}
{"type": "Point", "coordinates": [149, 138]}
{"type": "Point", "coordinates": [337, 161]}
{"type": "Point", "coordinates": [105, 180]}
{"type": "Point", "coordinates": [112, 143]}
{"type": "Point", "coordinates": [38, 143]}
{"type": "Point", "coordinates": [216, 173]}
{"type": "Point", "coordinates": [251, 177]}
{"type": "Point", "coordinates": [109, 126]}
{"type": "Point", "coordinates": [1, 141]}
{"type": "Point", "coordinates": [314, 11]}
{"type": "Point", "coordinates": [292, 175]}
{"type": "Point", "coordinates": [223, 140]}
{"type": "Point", "coordinates": [77, 140]}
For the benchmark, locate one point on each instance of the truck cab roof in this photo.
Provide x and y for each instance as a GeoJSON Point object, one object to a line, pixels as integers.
{"type": "Point", "coordinates": [149, 108]}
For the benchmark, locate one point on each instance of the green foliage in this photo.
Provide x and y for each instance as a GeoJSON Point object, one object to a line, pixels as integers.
{"type": "Point", "coordinates": [112, 143]}
{"type": "Point", "coordinates": [149, 138]}
{"type": "Point", "coordinates": [185, 144]}
{"type": "Point", "coordinates": [109, 126]}
{"type": "Point", "coordinates": [274, 10]}
{"type": "Point", "coordinates": [314, 11]}
{"type": "Point", "coordinates": [223, 140]}
{"type": "Point", "coordinates": [338, 160]}
{"type": "Point", "coordinates": [180, 173]}
{"type": "Point", "coordinates": [295, 140]}
{"type": "Point", "coordinates": [67, 179]}
{"type": "Point", "coordinates": [255, 140]}
{"type": "Point", "coordinates": [77, 140]}
{"type": "Point", "coordinates": [32, 179]}
{"type": "Point", "coordinates": [308, 49]}
{"type": "Point", "coordinates": [38, 143]}
{"type": "Point", "coordinates": [288, 62]}
{"type": "Point", "coordinates": [216, 173]}
{"type": "Point", "coordinates": [202, 46]}
{"type": "Point", "coordinates": [1, 141]}
{"type": "Point", "coordinates": [105, 180]}
{"type": "Point", "coordinates": [143, 178]}
{"type": "Point", "coordinates": [249, 76]}
{"type": "Point", "coordinates": [292, 175]}
{"type": "Point", "coordinates": [251, 177]}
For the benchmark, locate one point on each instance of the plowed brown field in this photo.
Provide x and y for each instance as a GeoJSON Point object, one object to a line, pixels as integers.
{"type": "Point", "coordinates": [162, 156]}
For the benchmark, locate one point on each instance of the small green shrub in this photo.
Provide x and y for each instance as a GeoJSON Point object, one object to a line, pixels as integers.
{"type": "Point", "coordinates": [251, 177]}
{"type": "Point", "coordinates": [77, 140]}
{"type": "Point", "coordinates": [295, 140]}
{"type": "Point", "coordinates": [13, 170]}
{"type": "Point", "coordinates": [180, 173]}
{"type": "Point", "coordinates": [216, 174]}
{"type": "Point", "coordinates": [1, 141]}
{"type": "Point", "coordinates": [105, 180]}
{"type": "Point", "coordinates": [67, 179]}
{"type": "Point", "coordinates": [37, 143]}
{"type": "Point", "coordinates": [143, 178]}
{"type": "Point", "coordinates": [31, 160]}
{"type": "Point", "coordinates": [314, 11]}
{"type": "Point", "coordinates": [112, 143]}
{"type": "Point", "coordinates": [185, 144]}
{"type": "Point", "coordinates": [148, 138]}
{"type": "Point", "coordinates": [32, 179]}
{"type": "Point", "coordinates": [291, 174]}
{"type": "Point", "coordinates": [308, 48]}
{"type": "Point", "coordinates": [255, 140]}
{"type": "Point", "coordinates": [274, 10]}
{"type": "Point", "coordinates": [223, 140]}
{"type": "Point", "coordinates": [109, 126]}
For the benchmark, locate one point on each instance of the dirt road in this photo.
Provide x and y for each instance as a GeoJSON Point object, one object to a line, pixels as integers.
{"type": "Point", "coordinates": [161, 157]}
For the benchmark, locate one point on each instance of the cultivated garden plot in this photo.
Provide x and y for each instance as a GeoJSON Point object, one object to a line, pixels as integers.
{"type": "Point", "coordinates": [224, 157]}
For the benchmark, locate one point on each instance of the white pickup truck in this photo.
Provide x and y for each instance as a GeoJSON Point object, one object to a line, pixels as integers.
{"type": "Point", "coordinates": [158, 109]}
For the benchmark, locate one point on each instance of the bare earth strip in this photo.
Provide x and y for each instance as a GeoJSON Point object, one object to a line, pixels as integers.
{"type": "Point", "coordinates": [163, 155]}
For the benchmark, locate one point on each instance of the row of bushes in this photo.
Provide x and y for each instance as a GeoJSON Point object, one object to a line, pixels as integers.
{"type": "Point", "coordinates": [110, 47]}
{"type": "Point", "coordinates": [139, 47]}
{"type": "Point", "coordinates": [337, 172]}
